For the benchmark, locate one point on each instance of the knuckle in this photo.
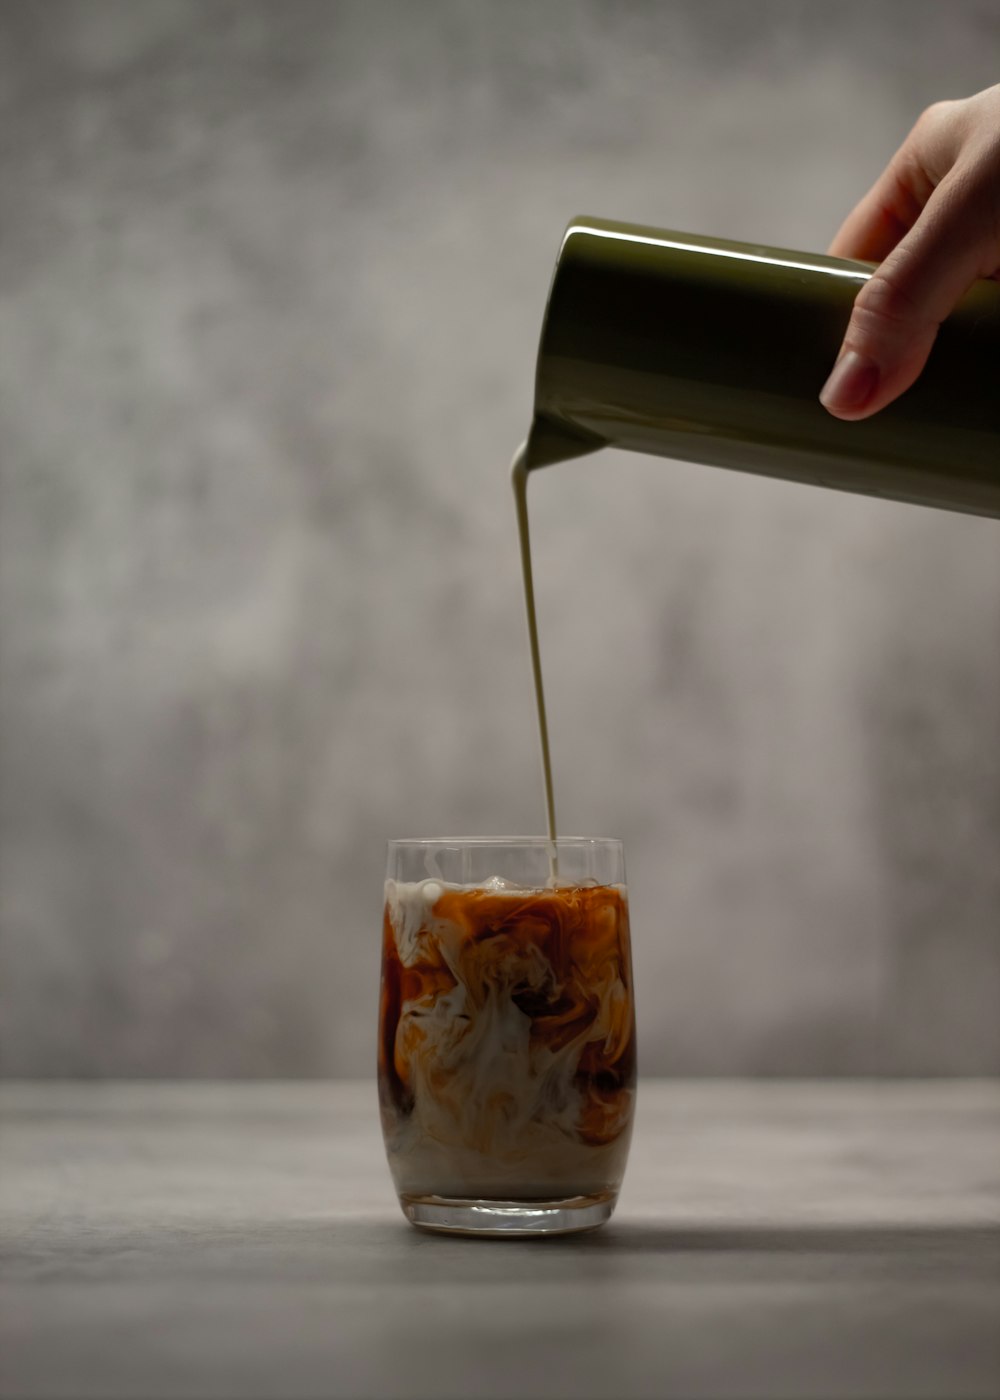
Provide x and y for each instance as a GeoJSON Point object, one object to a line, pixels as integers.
{"type": "Point", "coordinates": [940, 114]}
{"type": "Point", "coordinates": [883, 304]}
{"type": "Point", "coordinates": [912, 182]}
{"type": "Point", "coordinates": [931, 147]}
{"type": "Point", "coordinates": [928, 120]}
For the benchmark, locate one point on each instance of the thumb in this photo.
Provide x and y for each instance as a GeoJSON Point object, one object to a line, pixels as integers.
{"type": "Point", "coordinates": [898, 311]}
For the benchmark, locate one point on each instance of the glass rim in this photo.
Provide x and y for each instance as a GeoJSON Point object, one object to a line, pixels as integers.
{"type": "Point", "coordinates": [533, 842]}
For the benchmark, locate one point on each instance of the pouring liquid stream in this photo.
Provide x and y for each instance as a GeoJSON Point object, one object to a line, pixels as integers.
{"type": "Point", "coordinates": [519, 480]}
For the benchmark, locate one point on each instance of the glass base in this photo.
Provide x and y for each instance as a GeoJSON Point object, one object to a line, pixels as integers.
{"type": "Point", "coordinates": [513, 1219]}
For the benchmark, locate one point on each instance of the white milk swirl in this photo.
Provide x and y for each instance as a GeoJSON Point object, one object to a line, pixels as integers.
{"type": "Point", "coordinates": [511, 1039]}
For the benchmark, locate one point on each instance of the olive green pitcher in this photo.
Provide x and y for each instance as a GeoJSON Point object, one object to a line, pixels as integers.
{"type": "Point", "coordinates": [714, 351]}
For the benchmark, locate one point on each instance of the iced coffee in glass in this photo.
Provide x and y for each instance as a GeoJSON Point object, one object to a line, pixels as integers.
{"type": "Point", "coordinates": [506, 1059]}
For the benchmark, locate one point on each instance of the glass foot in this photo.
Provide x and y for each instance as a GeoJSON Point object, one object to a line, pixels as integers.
{"type": "Point", "coordinates": [514, 1219]}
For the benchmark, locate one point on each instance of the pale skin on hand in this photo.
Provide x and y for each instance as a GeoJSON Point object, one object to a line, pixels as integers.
{"type": "Point", "coordinates": [932, 223]}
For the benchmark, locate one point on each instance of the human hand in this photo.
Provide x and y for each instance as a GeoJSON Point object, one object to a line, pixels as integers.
{"type": "Point", "coordinates": [932, 222]}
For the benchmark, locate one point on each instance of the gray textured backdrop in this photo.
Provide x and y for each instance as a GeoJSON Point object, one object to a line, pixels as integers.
{"type": "Point", "coordinates": [271, 277]}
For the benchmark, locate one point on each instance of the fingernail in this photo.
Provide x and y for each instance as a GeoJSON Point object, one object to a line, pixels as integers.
{"type": "Point", "coordinates": [852, 382]}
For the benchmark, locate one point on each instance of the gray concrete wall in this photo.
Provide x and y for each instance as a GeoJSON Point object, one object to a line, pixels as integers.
{"type": "Point", "coordinates": [270, 285]}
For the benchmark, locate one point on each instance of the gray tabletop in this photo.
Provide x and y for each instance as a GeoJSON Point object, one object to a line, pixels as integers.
{"type": "Point", "coordinates": [773, 1239]}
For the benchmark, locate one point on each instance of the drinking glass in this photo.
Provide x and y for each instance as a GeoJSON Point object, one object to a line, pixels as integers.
{"type": "Point", "coordinates": [506, 1064]}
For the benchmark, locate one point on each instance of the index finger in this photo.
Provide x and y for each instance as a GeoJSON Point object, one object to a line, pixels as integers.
{"type": "Point", "coordinates": [887, 212]}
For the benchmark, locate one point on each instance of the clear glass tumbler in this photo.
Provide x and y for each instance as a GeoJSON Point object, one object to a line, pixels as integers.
{"type": "Point", "coordinates": [506, 1063]}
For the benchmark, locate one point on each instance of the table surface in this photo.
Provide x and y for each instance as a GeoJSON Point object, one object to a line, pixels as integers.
{"type": "Point", "coordinates": [773, 1239]}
